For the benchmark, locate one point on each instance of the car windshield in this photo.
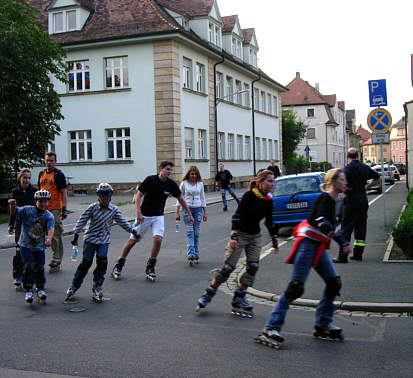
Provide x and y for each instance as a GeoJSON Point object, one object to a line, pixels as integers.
{"type": "Point", "coordinates": [296, 185]}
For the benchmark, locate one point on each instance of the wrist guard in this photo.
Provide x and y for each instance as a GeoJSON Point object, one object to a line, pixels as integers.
{"type": "Point", "coordinates": [75, 239]}
{"type": "Point", "coordinates": [274, 241]}
{"type": "Point", "coordinates": [64, 212]}
{"type": "Point", "coordinates": [234, 237]}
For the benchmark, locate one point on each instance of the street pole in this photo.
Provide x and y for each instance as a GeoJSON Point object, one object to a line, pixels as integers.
{"type": "Point", "coordinates": [383, 183]}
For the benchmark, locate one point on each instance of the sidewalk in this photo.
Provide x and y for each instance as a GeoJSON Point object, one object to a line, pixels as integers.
{"type": "Point", "coordinates": [78, 203]}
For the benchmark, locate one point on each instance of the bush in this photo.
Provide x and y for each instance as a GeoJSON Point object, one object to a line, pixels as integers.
{"type": "Point", "coordinates": [403, 232]}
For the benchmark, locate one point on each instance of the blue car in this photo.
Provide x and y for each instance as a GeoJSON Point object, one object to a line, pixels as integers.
{"type": "Point", "coordinates": [293, 197]}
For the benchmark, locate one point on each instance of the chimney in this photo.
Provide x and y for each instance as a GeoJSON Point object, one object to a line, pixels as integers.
{"type": "Point", "coordinates": [317, 87]}
{"type": "Point", "coordinates": [297, 74]}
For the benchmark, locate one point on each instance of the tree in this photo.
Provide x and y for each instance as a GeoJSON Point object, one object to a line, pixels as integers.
{"type": "Point", "coordinates": [293, 131]}
{"type": "Point", "coordinates": [29, 105]}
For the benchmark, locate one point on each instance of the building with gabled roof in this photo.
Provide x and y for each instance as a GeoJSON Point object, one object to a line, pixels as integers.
{"type": "Point", "coordinates": [153, 80]}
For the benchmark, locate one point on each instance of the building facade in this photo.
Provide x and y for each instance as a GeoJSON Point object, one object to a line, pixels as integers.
{"type": "Point", "coordinates": [398, 142]}
{"type": "Point", "coordinates": [153, 80]}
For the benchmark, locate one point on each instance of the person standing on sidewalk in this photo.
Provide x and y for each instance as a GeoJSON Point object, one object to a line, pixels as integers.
{"type": "Point", "coordinates": [223, 182]}
{"type": "Point", "coordinates": [37, 233]}
{"type": "Point", "coordinates": [54, 181]}
{"type": "Point", "coordinates": [100, 216]}
{"type": "Point", "coordinates": [313, 237]}
{"type": "Point", "coordinates": [356, 205]}
{"type": "Point", "coordinates": [24, 196]}
{"type": "Point", "coordinates": [192, 189]}
{"type": "Point", "coordinates": [255, 205]}
{"type": "Point", "coordinates": [154, 190]}
{"type": "Point", "coordinates": [274, 168]}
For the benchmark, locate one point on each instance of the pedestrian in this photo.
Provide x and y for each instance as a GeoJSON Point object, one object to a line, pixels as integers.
{"type": "Point", "coordinates": [255, 205]}
{"type": "Point", "coordinates": [54, 181]}
{"type": "Point", "coordinates": [24, 196]}
{"type": "Point", "coordinates": [155, 190]}
{"type": "Point", "coordinates": [99, 216]}
{"type": "Point", "coordinates": [274, 168]}
{"type": "Point", "coordinates": [37, 233]}
{"type": "Point", "coordinates": [192, 189]}
{"type": "Point", "coordinates": [356, 205]}
{"type": "Point", "coordinates": [313, 237]}
{"type": "Point", "coordinates": [223, 182]}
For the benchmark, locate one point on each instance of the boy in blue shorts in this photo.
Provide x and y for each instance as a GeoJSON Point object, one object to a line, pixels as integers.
{"type": "Point", "coordinates": [37, 234]}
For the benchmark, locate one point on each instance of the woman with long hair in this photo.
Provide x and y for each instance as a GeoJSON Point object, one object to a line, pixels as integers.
{"type": "Point", "coordinates": [24, 195]}
{"type": "Point", "coordinates": [255, 205]}
{"type": "Point", "coordinates": [192, 189]}
{"type": "Point", "coordinates": [313, 237]}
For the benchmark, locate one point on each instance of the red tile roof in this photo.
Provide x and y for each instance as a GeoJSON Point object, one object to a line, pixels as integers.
{"type": "Point", "coordinates": [341, 105]}
{"type": "Point", "coordinates": [364, 134]}
{"type": "Point", "coordinates": [228, 23]}
{"type": "Point", "coordinates": [189, 8]}
{"type": "Point", "coordinates": [248, 33]}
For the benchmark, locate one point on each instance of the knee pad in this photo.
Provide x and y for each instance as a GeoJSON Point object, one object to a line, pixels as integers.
{"type": "Point", "coordinates": [101, 263]}
{"type": "Point", "coordinates": [222, 275]}
{"type": "Point", "coordinates": [84, 266]}
{"type": "Point", "coordinates": [295, 289]}
{"type": "Point", "coordinates": [333, 286]}
{"type": "Point", "coordinates": [252, 267]}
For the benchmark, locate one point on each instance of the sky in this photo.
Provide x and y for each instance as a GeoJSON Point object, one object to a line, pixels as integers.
{"type": "Point", "coordinates": [339, 44]}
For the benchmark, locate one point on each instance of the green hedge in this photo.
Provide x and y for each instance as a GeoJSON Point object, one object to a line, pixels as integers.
{"type": "Point", "coordinates": [403, 232]}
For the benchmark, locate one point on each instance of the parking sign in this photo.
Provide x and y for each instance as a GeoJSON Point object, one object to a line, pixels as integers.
{"type": "Point", "coordinates": [377, 93]}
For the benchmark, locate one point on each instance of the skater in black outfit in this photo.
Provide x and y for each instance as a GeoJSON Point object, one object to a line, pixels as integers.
{"type": "Point", "coordinates": [274, 168]}
{"type": "Point", "coordinates": [255, 205]}
{"type": "Point", "coordinates": [24, 195]}
{"type": "Point", "coordinates": [223, 183]}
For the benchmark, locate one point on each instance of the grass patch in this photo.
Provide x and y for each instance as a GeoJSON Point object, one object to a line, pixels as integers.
{"type": "Point", "coordinates": [4, 218]}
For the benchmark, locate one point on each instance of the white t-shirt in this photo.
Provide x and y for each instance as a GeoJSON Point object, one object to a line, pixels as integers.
{"type": "Point", "coordinates": [193, 194]}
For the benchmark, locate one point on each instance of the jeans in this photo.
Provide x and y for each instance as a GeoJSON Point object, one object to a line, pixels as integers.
{"type": "Point", "coordinates": [33, 268]}
{"type": "Point", "coordinates": [89, 250]}
{"type": "Point", "coordinates": [303, 262]}
{"type": "Point", "coordinates": [192, 232]}
{"type": "Point", "coordinates": [224, 192]}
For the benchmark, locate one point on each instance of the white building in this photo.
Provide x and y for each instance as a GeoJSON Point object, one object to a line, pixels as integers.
{"type": "Point", "coordinates": [141, 89]}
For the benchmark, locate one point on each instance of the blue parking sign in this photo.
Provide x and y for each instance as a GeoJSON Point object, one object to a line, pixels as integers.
{"type": "Point", "coordinates": [377, 93]}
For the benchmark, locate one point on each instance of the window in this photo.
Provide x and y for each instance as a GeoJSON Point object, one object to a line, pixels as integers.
{"type": "Point", "coordinates": [211, 33]}
{"type": "Point", "coordinates": [270, 149]}
{"type": "Point", "coordinates": [256, 99]}
{"type": "Point", "coordinates": [257, 148]}
{"type": "Point", "coordinates": [189, 143]}
{"type": "Point", "coordinates": [218, 36]}
{"type": "Point", "coordinates": [394, 158]}
{"type": "Point", "coordinates": [231, 146]}
{"type": "Point", "coordinates": [239, 49]}
{"type": "Point", "coordinates": [80, 145]}
{"type": "Point", "coordinates": [276, 157]}
{"type": "Point", "coordinates": [202, 144]}
{"type": "Point", "coordinates": [51, 146]}
{"type": "Point", "coordinates": [311, 133]}
{"type": "Point", "coordinates": [310, 112]}
{"type": "Point", "coordinates": [263, 101]}
{"type": "Point", "coordinates": [233, 46]}
{"type": "Point", "coordinates": [253, 57]}
{"type": "Point", "coordinates": [220, 85]}
{"type": "Point", "coordinates": [71, 20]}
{"type": "Point", "coordinates": [247, 148]}
{"type": "Point", "coordinates": [400, 159]}
{"type": "Point", "coordinates": [118, 143]}
{"type": "Point", "coordinates": [214, 34]}
{"type": "Point", "coordinates": [116, 72]}
{"type": "Point", "coordinates": [200, 77]}
{"type": "Point", "coordinates": [239, 147]}
{"type": "Point", "coordinates": [221, 146]}
{"type": "Point", "coordinates": [400, 145]}
{"type": "Point", "coordinates": [246, 94]}
{"type": "Point", "coordinates": [187, 73]}
{"type": "Point", "coordinates": [63, 21]}
{"type": "Point", "coordinates": [58, 22]}
{"type": "Point", "coordinates": [79, 76]}
{"type": "Point", "coordinates": [394, 145]}
{"type": "Point", "coordinates": [230, 89]}
{"type": "Point", "coordinates": [275, 100]}
{"type": "Point", "coordinates": [238, 90]}
{"type": "Point", "coordinates": [269, 104]}
{"type": "Point", "coordinates": [264, 149]}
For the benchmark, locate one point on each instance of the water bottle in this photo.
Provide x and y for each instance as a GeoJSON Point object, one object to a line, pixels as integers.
{"type": "Point", "coordinates": [136, 224]}
{"type": "Point", "coordinates": [177, 225]}
{"type": "Point", "coordinates": [74, 253]}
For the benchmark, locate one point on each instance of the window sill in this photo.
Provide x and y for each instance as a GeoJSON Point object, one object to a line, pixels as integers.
{"type": "Point", "coordinates": [195, 92]}
{"type": "Point", "coordinates": [235, 161]}
{"type": "Point", "coordinates": [233, 104]}
{"type": "Point", "coordinates": [196, 160]}
{"type": "Point", "coordinates": [77, 163]}
{"type": "Point", "coordinates": [266, 114]}
{"type": "Point", "coordinates": [102, 91]}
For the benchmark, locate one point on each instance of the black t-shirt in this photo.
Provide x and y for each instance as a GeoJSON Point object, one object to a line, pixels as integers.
{"type": "Point", "coordinates": [323, 206]}
{"type": "Point", "coordinates": [155, 193]}
{"type": "Point", "coordinates": [357, 175]}
{"type": "Point", "coordinates": [274, 170]}
{"type": "Point", "coordinates": [223, 178]}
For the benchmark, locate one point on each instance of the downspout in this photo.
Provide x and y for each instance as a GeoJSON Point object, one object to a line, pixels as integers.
{"type": "Point", "coordinates": [253, 123]}
{"type": "Point", "coordinates": [215, 115]}
{"type": "Point", "coordinates": [405, 145]}
{"type": "Point", "coordinates": [326, 143]}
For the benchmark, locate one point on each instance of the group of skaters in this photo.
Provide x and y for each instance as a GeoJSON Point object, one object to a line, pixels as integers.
{"type": "Point", "coordinates": [35, 228]}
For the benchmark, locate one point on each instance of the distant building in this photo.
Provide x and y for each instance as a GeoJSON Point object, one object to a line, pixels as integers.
{"type": "Point", "coordinates": [408, 114]}
{"type": "Point", "coordinates": [398, 141]}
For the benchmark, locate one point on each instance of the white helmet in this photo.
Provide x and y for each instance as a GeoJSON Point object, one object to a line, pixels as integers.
{"type": "Point", "coordinates": [104, 191]}
{"type": "Point", "coordinates": [42, 195]}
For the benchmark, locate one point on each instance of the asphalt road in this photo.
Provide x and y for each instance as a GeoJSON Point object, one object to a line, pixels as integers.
{"type": "Point", "coordinates": [151, 330]}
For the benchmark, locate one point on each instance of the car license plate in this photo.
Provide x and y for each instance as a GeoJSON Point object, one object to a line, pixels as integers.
{"type": "Point", "coordinates": [297, 205]}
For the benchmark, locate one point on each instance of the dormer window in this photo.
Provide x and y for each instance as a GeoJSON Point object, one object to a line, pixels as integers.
{"type": "Point", "coordinates": [214, 34]}
{"type": "Point", "coordinates": [253, 57]}
{"type": "Point", "coordinates": [64, 21]}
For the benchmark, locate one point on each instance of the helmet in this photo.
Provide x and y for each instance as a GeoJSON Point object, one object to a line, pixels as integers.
{"type": "Point", "coordinates": [42, 195]}
{"type": "Point", "coordinates": [104, 191]}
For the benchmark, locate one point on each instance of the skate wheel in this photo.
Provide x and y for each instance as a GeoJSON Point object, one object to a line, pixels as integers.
{"type": "Point", "coordinates": [198, 308]}
{"type": "Point", "coordinates": [71, 300]}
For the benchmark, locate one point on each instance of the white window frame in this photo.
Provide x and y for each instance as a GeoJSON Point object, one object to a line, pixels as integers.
{"type": "Point", "coordinates": [200, 77]}
{"type": "Point", "coordinates": [309, 111]}
{"type": "Point", "coordinates": [400, 158]}
{"type": "Point", "coordinates": [276, 156]}
{"type": "Point", "coordinates": [122, 142]}
{"type": "Point", "coordinates": [217, 36]}
{"type": "Point", "coordinates": [238, 90]}
{"type": "Point", "coordinates": [189, 143]}
{"type": "Point", "coordinates": [220, 85]}
{"type": "Point", "coordinates": [264, 149]}
{"type": "Point", "coordinates": [202, 144]}
{"type": "Point", "coordinates": [81, 140]}
{"type": "Point", "coordinates": [211, 28]}
{"type": "Point", "coordinates": [229, 87]}
{"type": "Point", "coordinates": [275, 100]}
{"type": "Point", "coordinates": [256, 99]}
{"type": "Point", "coordinates": [187, 73]}
{"type": "Point", "coordinates": [231, 147]}
{"type": "Point", "coordinates": [400, 145]}
{"type": "Point", "coordinates": [65, 24]}
{"type": "Point", "coordinates": [221, 145]}
{"type": "Point", "coordinates": [257, 148]}
{"type": "Point", "coordinates": [270, 149]}
{"type": "Point", "coordinates": [247, 94]}
{"type": "Point", "coordinates": [311, 133]}
{"type": "Point", "coordinates": [269, 104]}
{"type": "Point", "coordinates": [263, 101]}
{"type": "Point", "coordinates": [247, 147]}
{"type": "Point", "coordinates": [116, 67]}
{"type": "Point", "coordinates": [240, 147]}
{"type": "Point", "coordinates": [394, 145]}
{"type": "Point", "coordinates": [76, 68]}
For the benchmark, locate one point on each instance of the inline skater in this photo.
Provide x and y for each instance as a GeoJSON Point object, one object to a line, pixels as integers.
{"type": "Point", "coordinates": [255, 205]}
{"type": "Point", "coordinates": [100, 216]}
{"type": "Point", "coordinates": [223, 183]}
{"type": "Point", "coordinates": [309, 250]}
{"type": "Point", "coordinates": [37, 234]}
